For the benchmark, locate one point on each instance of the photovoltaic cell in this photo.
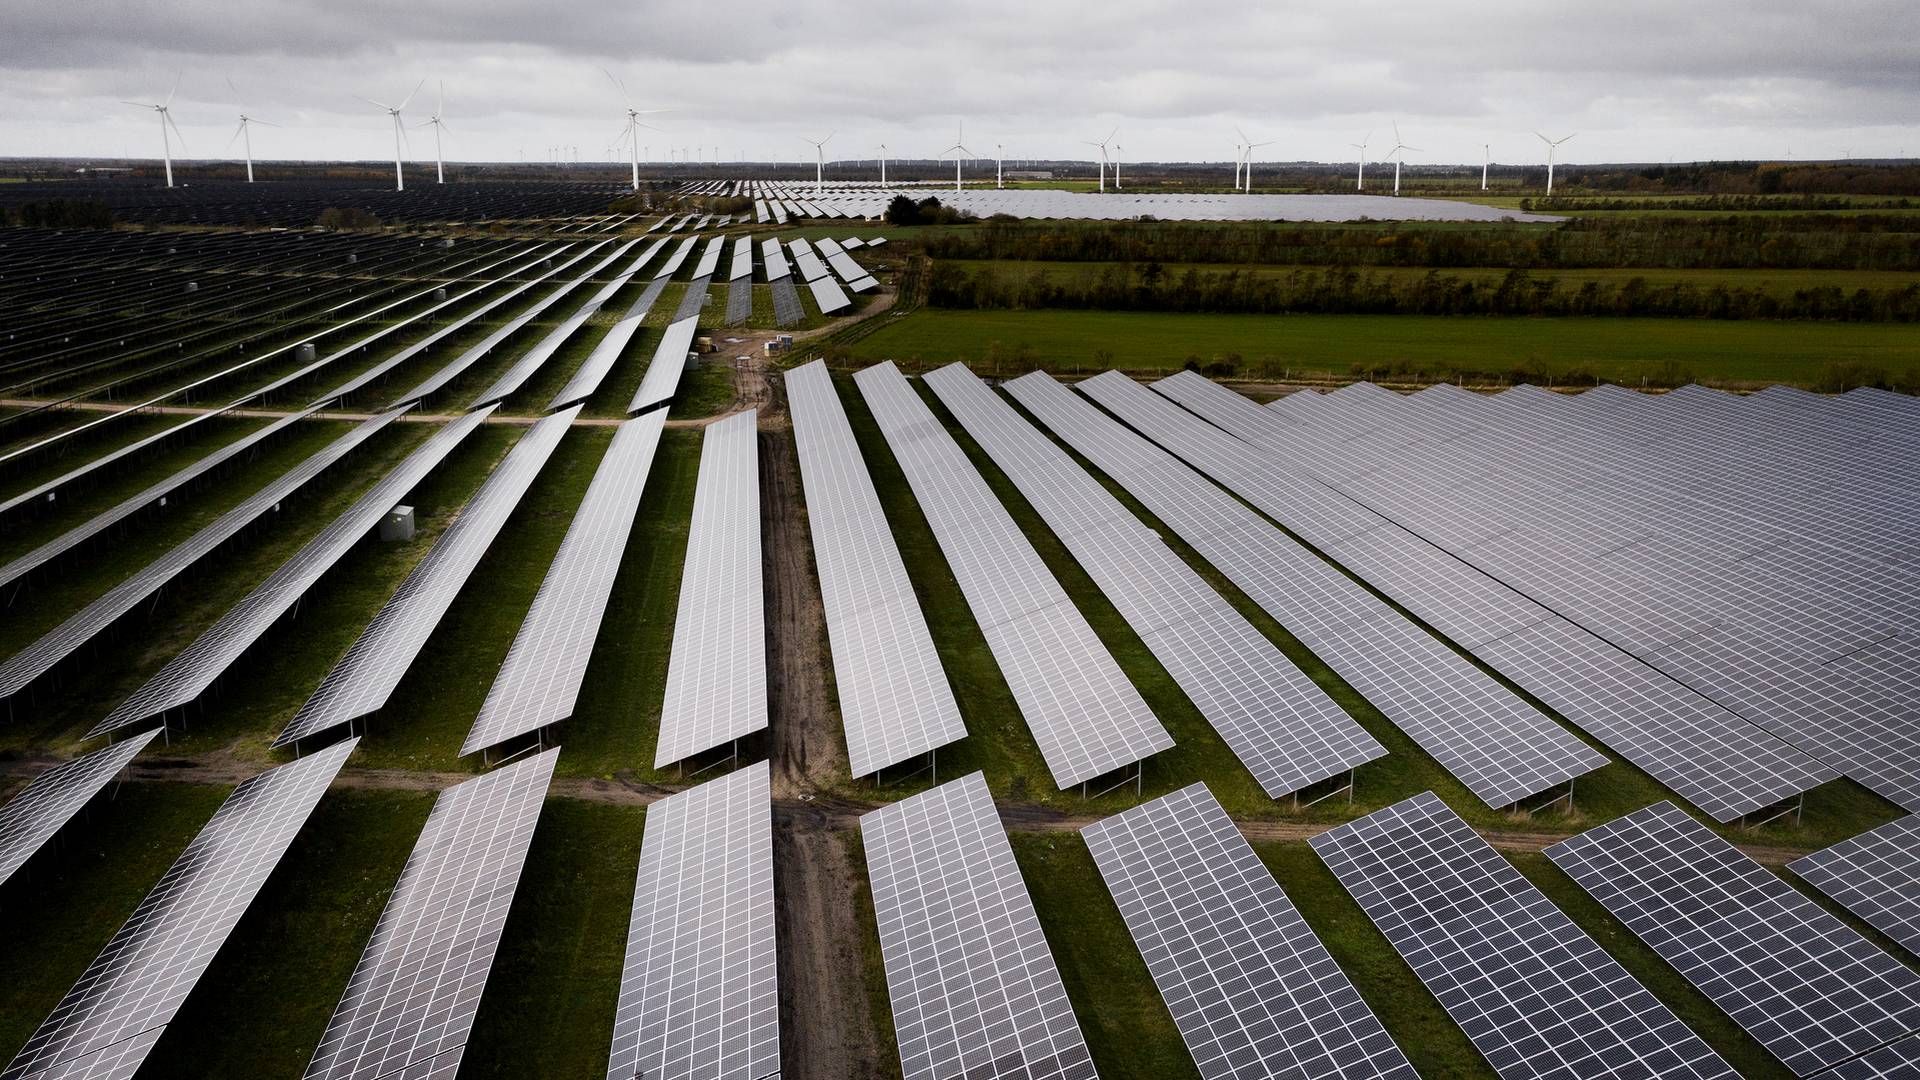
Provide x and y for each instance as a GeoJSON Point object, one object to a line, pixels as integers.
{"type": "Point", "coordinates": [1251, 988]}
{"type": "Point", "coordinates": [363, 679]}
{"type": "Point", "coordinates": [189, 673]}
{"type": "Point", "coordinates": [1087, 718]}
{"type": "Point", "coordinates": [717, 671]}
{"type": "Point", "coordinates": [895, 701]}
{"type": "Point", "coordinates": [1808, 987]}
{"type": "Point", "coordinates": [116, 1012]}
{"type": "Point", "coordinates": [1278, 722]}
{"type": "Point", "coordinates": [33, 816]}
{"type": "Point", "coordinates": [57, 644]}
{"type": "Point", "coordinates": [410, 1004]}
{"type": "Point", "coordinates": [1876, 876]}
{"type": "Point", "coordinates": [540, 679]}
{"type": "Point", "coordinates": [975, 992]}
{"type": "Point", "coordinates": [1535, 994]}
{"type": "Point", "coordinates": [657, 386]}
{"type": "Point", "coordinates": [699, 994]}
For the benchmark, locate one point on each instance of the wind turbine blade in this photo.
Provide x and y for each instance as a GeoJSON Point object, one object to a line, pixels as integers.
{"type": "Point", "coordinates": [175, 90]}
{"type": "Point", "coordinates": [443, 125]}
{"type": "Point", "coordinates": [235, 89]}
{"type": "Point", "coordinates": [375, 104]}
{"type": "Point", "coordinates": [622, 87]}
{"type": "Point", "coordinates": [1543, 138]}
{"type": "Point", "coordinates": [440, 100]}
{"type": "Point", "coordinates": [168, 117]}
{"type": "Point", "coordinates": [416, 89]}
{"type": "Point", "coordinates": [235, 137]}
{"type": "Point", "coordinates": [140, 104]}
{"type": "Point", "coordinates": [257, 120]}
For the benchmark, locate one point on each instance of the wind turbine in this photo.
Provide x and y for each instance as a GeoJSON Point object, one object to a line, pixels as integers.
{"type": "Point", "coordinates": [999, 166]}
{"type": "Point", "coordinates": [1360, 177]}
{"type": "Point", "coordinates": [1552, 145]}
{"type": "Point", "coordinates": [1116, 166]}
{"type": "Point", "coordinates": [437, 124]}
{"type": "Point", "coordinates": [1486, 158]}
{"type": "Point", "coordinates": [819, 160]}
{"type": "Point", "coordinates": [166, 121]}
{"type": "Point", "coordinates": [883, 164]}
{"type": "Point", "coordinates": [399, 132]}
{"type": "Point", "coordinates": [1251, 147]}
{"type": "Point", "coordinates": [241, 133]}
{"type": "Point", "coordinates": [959, 152]}
{"type": "Point", "coordinates": [1102, 144]}
{"type": "Point", "coordinates": [1395, 155]}
{"type": "Point", "coordinates": [1239, 156]}
{"type": "Point", "coordinates": [631, 132]}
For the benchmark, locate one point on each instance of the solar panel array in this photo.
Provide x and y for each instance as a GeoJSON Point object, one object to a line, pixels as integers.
{"type": "Point", "coordinates": [774, 258]}
{"type": "Point", "coordinates": [742, 259]}
{"type": "Point", "coordinates": [709, 263]}
{"type": "Point", "coordinates": [1894, 1061]}
{"type": "Point", "coordinates": [1805, 985]}
{"type": "Point", "coordinates": [193, 669]}
{"type": "Point", "coordinates": [852, 273]}
{"type": "Point", "coordinates": [1687, 585]}
{"type": "Point", "coordinates": [365, 677]}
{"type": "Point", "coordinates": [540, 679]}
{"type": "Point", "coordinates": [828, 296]}
{"type": "Point", "coordinates": [410, 1004]}
{"type": "Point", "coordinates": [677, 259]}
{"type": "Point", "coordinates": [895, 702]}
{"type": "Point", "coordinates": [1251, 988]}
{"type": "Point", "coordinates": [662, 379]}
{"type": "Point", "coordinates": [699, 993]}
{"type": "Point", "coordinates": [1087, 718]}
{"type": "Point", "coordinates": [511, 380]}
{"type": "Point", "coordinates": [717, 670]}
{"type": "Point", "coordinates": [1501, 748]}
{"type": "Point", "coordinates": [1535, 994]}
{"type": "Point", "coordinates": [1722, 764]}
{"type": "Point", "coordinates": [1876, 876]}
{"type": "Point", "coordinates": [57, 644]}
{"type": "Point", "coordinates": [606, 352]}
{"type": "Point", "coordinates": [117, 1010]}
{"type": "Point", "coordinates": [974, 988]}
{"type": "Point", "coordinates": [43, 807]}
{"type": "Point", "coordinates": [1278, 722]}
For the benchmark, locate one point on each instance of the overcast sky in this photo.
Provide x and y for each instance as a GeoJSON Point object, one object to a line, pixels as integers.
{"type": "Point", "coordinates": [1639, 80]}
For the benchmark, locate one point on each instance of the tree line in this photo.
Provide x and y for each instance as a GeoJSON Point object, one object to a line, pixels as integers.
{"type": "Point", "coordinates": [1351, 291]}
{"type": "Point", "coordinates": [1877, 241]}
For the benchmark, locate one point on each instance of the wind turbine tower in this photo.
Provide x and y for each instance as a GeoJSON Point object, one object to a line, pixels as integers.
{"type": "Point", "coordinates": [819, 161]}
{"type": "Point", "coordinates": [1102, 145]}
{"type": "Point", "coordinates": [1486, 158]}
{"type": "Point", "coordinates": [1552, 145]}
{"type": "Point", "coordinates": [166, 121]}
{"type": "Point", "coordinates": [999, 166]}
{"type": "Point", "coordinates": [1360, 177]}
{"type": "Point", "coordinates": [883, 164]}
{"type": "Point", "coordinates": [437, 124]}
{"type": "Point", "coordinates": [959, 151]}
{"type": "Point", "coordinates": [399, 132]}
{"type": "Point", "coordinates": [1251, 147]}
{"type": "Point", "coordinates": [241, 133]}
{"type": "Point", "coordinates": [1398, 146]}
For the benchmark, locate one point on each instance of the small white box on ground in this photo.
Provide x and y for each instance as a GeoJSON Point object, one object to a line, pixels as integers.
{"type": "Point", "coordinates": [397, 525]}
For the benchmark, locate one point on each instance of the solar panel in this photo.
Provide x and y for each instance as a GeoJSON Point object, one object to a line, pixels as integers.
{"type": "Point", "coordinates": [37, 659]}
{"type": "Point", "coordinates": [974, 988]}
{"type": "Point", "coordinates": [1876, 876]}
{"type": "Point", "coordinates": [709, 263]}
{"type": "Point", "coordinates": [511, 380]}
{"type": "Point", "coordinates": [787, 308]}
{"type": "Point", "coordinates": [717, 671]}
{"type": "Point", "coordinates": [1251, 988]}
{"type": "Point", "coordinates": [1087, 718]}
{"type": "Point", "coordinates": [828, 295]}
{"type": "Point", "coordinates": [895, 702]}
{"type": "Point", "coordinates": [411, 1002]}
{"type": "Point", "coordinates": [677, 259]}
{"type": "Point", "coordinates": [365, 677]}
{"type": "Point", "coordinates": [1501, 748]}
{"type": "Point", "coordinates": [118, 1009]}
{"type": "Point", "coordinates": [1709, 756]}
{"type": "Point", "coordinates": [742, 264]}
{"type": "Point", "coordinates": [43, 807]}
{"type": "Point", "coordinates": [1894, 1061]}
{"type": "Point", "coordinates": [1808, 987]}
{"type": "Point", "coordinates": [850, 272]}
{"type": "Point", "coordinates": [194, 669]}
{"type": "Point", "coordinates": [1535, 994]}
{"type": "Point", "coordinates": [593, 370]}
{"type": "Point", "coordinates": [809, 264]}
{"type": "Point", "coordinates": [540, 679]}
{"type": "Point", "coordinates": [662, 379]}
{"type": "Point", "coordinates": [774, 259]}
{"type": "Point", "coordinates": [1278, 722]}
{"type": "Point", "coordinates": [699, 994]}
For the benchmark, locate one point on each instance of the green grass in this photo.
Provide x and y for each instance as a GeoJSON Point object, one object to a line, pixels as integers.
{"type": "Point", "coordinates": [72, 899]}
{"type": "Point", "coordinates": [706, 388]}
{"type": "Point", "coordinates": [1128, 1029]}
{"type": "Point", "coordinates": [290, 957]}
{"type": "Point", "coordinates": [1336, 346]}
{"type": "Point", "coordinates": [549, 1007]}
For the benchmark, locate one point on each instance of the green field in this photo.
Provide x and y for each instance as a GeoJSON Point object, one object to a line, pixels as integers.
{"type": "Point", "coordinates": [1342, 347]}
